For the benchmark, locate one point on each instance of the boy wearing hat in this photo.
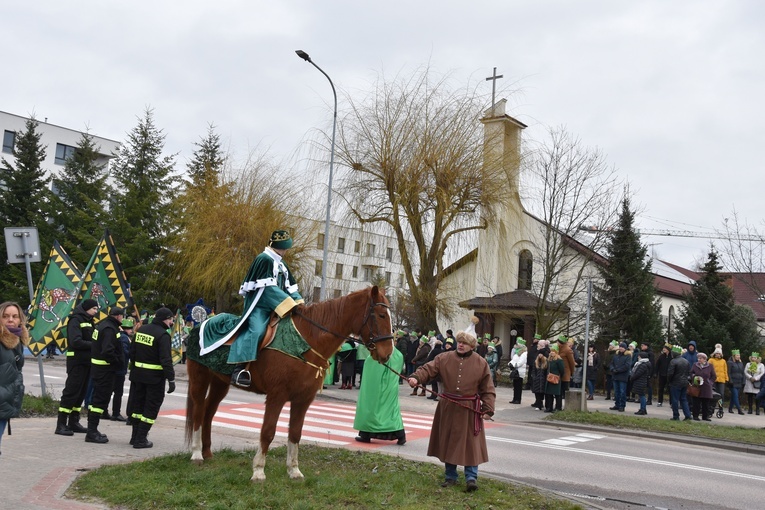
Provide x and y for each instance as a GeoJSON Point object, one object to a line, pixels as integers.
{"type": "Point", "coordinates": [79, 335]}
{"type": "Point", "coordinates": [268, 287]}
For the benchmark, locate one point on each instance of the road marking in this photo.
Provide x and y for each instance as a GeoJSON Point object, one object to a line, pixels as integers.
{"type": "Point", "coordinates": [691, 467]}
{"type": "Point", "coordinates": [325, 423]}
{"type": "Point", "coordinates": [569, 440]}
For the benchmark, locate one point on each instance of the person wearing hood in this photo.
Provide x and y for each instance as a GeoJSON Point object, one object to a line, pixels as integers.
{"type": "Point", "coordinates": [641, 373]}
{"type": "Point", "coordinates": [691, 354]}
{"type": "Point", "coordinates": [13, 338]}
{"type": "Point", "coordinates": [677, 378]}
{"type": "Point", "coordinates": [79, 337]}
{"type": "Point", "coordinates": [518, 356]}
{"type": "Point", "coordinates": [721, 370]}
{"type": "Point", "coordinates": [703, 375]}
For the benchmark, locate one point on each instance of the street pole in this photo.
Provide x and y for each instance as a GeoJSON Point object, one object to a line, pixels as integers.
{"type": "Point", "coordinates": [586, 342]}
{"type": "Point", "coordinates": [24, 249]}
{"type": "Point", "coordinates": [323, 293]}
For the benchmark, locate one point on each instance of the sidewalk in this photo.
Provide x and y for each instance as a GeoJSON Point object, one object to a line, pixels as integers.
{"type": "Point", "coordinates": [37, 466]}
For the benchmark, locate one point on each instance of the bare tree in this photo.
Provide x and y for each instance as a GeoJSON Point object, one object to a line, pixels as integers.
{"type": "Point", "coordinates": [571, 188]}
{"type": "Point", "coordinates": [743, 251]}
{"type": "Point", "coordinates": [415, 151]}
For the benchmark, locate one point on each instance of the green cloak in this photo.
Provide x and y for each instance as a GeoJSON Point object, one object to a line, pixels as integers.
{"type": "Point", "coordinates": [378, 409]}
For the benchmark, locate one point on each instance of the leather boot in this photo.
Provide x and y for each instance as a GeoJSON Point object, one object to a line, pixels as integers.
{"type": "Point", "coordinates": [93, 435]}
{"type": "Point", "coordinates": [414, 392]}
{"type": "Point", "coordinates": [140, 439]}
{"type": "Point", "coordinates": [61, 428]}
{"type": "Point", "coordinates": [74, 423]}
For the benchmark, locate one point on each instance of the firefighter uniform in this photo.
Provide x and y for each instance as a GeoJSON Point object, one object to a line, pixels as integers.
{"type": "Point", "coordinates": [151, 365]}
{"type": "Point", "coordinates": [106, 358]}
{"type": "Point", "coordinates": [79, 334]}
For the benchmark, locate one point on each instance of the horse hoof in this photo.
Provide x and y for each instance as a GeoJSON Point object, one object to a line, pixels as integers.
{"type": "Point", "coordinates": [258, 477]}
{"type": "Point", "coordinates": [196, 458]}
{"type": "Point", "coordinates": [295, 474]}
{"type": "Point", "coordinates": [197, 462]}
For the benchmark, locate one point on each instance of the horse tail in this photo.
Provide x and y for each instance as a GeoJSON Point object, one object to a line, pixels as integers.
{"type": "Point", "coordinates": [191, 367]}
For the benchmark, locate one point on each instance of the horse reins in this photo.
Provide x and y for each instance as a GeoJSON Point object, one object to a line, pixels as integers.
{"type": "Point", "coordinates": [440, 395]}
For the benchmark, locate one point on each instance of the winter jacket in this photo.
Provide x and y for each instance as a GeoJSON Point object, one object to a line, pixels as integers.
{"type": "Point", "coordinates": [569, 363]}
{"type": "Point", "coordinates": [539, 376]}
{"type": "Point", "coordinates": [519, 361]}
{"type": "Point", "coordinates": [641, 372]}
{"type": "Point", "coordinates": [721, 369]}
{"type": "Point", "coordinates": [706, 372]}
{"type": "Point", "coordinates": [422, 354]}
{"type": "Point", "coordinates": [662, 364]}
{"type": "Point", "coordinates": [678, 371]}
{"type": "Point", "coordinates": [620, 366]}
{"type": "Point", "coordinates": [555, 367]}
{"type": "Point", "coordinates": [750, 378]}
{"type": "Point", "coordinates": [592, 369]}
{"type": "Point", "coordinates": [11, 378]}
{"type": "Point", "coordinates": [691, 356]}
{"type": "Point", "coordinates": [736, 373]}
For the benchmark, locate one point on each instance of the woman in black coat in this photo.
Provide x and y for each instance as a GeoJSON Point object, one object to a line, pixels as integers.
{"type": "Point", "coordinates": [641, 373]}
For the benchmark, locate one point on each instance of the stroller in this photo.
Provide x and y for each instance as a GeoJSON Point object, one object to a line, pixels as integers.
{"type": "Point", "coordinates": [718, 409]}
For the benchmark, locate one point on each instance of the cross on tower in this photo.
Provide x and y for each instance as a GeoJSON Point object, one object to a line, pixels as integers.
{"type": "Point", "coordinates": [493, 78]}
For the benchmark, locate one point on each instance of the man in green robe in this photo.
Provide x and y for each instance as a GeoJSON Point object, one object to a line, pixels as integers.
{"type": "Point", "coordinates": [378, 413]}
{"type": "Point", "coordinates": [268, 287]}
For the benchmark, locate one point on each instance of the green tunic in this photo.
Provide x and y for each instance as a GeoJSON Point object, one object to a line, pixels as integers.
{"type": "Point", "coordinates": [268, 287]}
{"type": "Point", "coordinates": [378, 410]}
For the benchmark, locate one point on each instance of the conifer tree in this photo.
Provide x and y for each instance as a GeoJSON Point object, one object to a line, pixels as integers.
{"type": "Point", "coordinates": [82, 192]}
{"type": "Point", "coordinates": [142, 219]}
{"type": "Point", "coordinates": [710, 315]}
{"type": "Point", "coordinates": [24, 202]}
{"type": "Point", "coordinates": [626, 305]}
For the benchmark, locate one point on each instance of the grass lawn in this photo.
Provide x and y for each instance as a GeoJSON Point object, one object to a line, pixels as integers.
{"type": "Point", "coordinates": [714, 430]}
{"type": "Point", "coordinates": [334, 478]}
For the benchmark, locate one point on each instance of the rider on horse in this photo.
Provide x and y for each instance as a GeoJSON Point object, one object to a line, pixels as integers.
{"type": "Point", "coordinates": [268, 287]}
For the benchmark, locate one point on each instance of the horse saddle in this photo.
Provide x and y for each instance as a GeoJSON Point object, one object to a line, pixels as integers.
{"type": "Point", "coordinates": [268, 336]}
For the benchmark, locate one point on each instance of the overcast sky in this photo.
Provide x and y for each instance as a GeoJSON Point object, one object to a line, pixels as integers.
{"type": "Point", "coordinates": [671, 91]}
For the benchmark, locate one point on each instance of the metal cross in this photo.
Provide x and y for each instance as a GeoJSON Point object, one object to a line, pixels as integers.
{"type": "Point", "coordinates": [493, 78]}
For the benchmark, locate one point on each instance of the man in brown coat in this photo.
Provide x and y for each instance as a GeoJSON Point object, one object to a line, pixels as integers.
{"type": "Point", "coordinates": [457, 437]}
{"type": "Point", "coordinates": [567, 355]}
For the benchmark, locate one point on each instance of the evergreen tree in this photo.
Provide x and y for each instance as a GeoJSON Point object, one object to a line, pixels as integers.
{"type": "Point", "coordinates": [142, 219]}
{"type": "Point", "coordinates": [710, 315]}
{"type": "Point", "coordinates": [626, 306]}
{"type": "Point", "coordinates": [82, 193]}
{"type": "Point", "coordinates": [24, 202]}
{"type": "Point", "coordinates": [207, 162]}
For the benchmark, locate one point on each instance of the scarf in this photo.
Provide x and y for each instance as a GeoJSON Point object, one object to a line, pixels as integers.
{"type": "Point", "coordinates": [15, 331]}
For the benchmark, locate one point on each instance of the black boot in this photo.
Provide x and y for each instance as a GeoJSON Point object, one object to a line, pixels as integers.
{"type": "Point", "coordinates": [74, 423]}
{"type": "Point", "coordinates": [140, 439]}
{"type": "Point", "coordinates": [61, 428]}
{"type": "Point", "coordinates": [135, 432]}
{"type": "Point", "coordinates": [241, 376]}
{"type": "Point", "coordinates": [93, 435]}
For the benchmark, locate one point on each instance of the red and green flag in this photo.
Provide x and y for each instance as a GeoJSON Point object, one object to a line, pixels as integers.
{"type": "Point", "coordinates": [54, 299]}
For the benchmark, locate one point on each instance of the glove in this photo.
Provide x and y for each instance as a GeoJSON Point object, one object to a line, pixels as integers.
{"type": "Point", "coordinates": [170, 386]}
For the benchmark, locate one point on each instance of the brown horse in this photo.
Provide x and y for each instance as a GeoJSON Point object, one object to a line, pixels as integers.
{"type": "Point", "coordinates": [282, 378]}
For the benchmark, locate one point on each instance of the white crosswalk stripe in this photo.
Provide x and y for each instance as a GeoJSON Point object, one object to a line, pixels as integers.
{"type": "Point", "coordinates": [569, 440]}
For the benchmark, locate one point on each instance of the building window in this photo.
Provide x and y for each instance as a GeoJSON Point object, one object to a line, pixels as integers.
{"type": "Point", "coordinates": [339, 271]}
{"type": "Point", "coordinates": [341, 245]}
{"type": "Point", "coordinates": [9, 139]}
{"type": "Point", "coordinates": [63, 152]}
{"type": "Point", "coordinates": [370, 250]}
{"type": "Point", "coordinates": [355, 271]}
{"type": "Point", "coordinates": [367, 274]}
{"type": "Point", "coordinates": [525, 267]}
{"type": "Point", "coordinates": [317, 270]}
{"type": "Point", "coordinates": [320, 241]}
{"type": "Point", "coordinates": [356, 246]}
{"type": "Point", "coordinates": [337, 293]}
{"type": "Point", "coordinates": [316, 294]}
{"type": "Point", "coordinates": [401, 279]}
{"type": "Point", "coordinates": [387, 278]}
{"type": "Point", "coordinates": [389, 254]}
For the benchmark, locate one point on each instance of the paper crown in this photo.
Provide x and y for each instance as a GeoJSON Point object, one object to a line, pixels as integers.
{"type": "Point", "coordinates": [487, 336]}
{"type": "Point", "coordinates": [633, 344]}
{"type": "Point", "coordinates": [127, 323]}
{"type": "Point", "coordinates": [615, 343]}
{"type": "Point", "coordinates": [538, 336]}
{"type": "Point", "coordinates": [424, 339]}
{"type": "Point", "coordinates": [431, 333]}
{"type": "Point", "coordinates": [400, 332]}
{"type": "Point", "coordinates": [735, 351]}
{"type": "Point", "coordinates": [491, 345]}
{"type": "Point", "coordinates": [554, 347]}
{"type": "Point", "coordinates": [520, 341]}
{"type": "Point", "coordinates": [677, 349]}
{"type": "Point", "coordinates": [562, 339]}
{"type": "Point", "coordinates": [755, 355]}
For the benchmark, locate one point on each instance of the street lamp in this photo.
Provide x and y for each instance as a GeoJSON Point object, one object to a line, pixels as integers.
{"type": "Point", "coordinates": [302, 54]}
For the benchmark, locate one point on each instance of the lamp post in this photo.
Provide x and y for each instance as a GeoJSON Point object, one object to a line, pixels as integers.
{"type": "Point", "coordinates": [302, 54]}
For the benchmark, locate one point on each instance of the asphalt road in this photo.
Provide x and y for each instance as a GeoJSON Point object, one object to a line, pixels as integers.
{"type": "Point", "coordinates": [599, 468]}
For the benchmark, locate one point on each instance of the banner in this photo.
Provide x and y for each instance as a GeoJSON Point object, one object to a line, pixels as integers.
{"type": "Point", "coordinates": [176, 336]}
{"type": "Point", "coordinates": [54, 299]}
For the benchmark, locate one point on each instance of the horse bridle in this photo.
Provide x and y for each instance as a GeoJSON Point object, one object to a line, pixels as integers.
{"type": "Point", "coordinates": [370, 343]}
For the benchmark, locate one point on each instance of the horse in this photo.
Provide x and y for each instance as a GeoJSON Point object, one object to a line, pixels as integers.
{"type": "Point", "coordinates": [282, 378]}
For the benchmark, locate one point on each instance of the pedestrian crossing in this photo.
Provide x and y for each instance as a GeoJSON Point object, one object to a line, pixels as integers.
{"type": "Point", "coordinates": [569, 440]}
{"type": "Point", "coordinates": [325, 422]}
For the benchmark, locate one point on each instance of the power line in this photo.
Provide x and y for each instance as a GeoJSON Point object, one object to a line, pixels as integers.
{"type": "Point", "coordinates": [678, 233]}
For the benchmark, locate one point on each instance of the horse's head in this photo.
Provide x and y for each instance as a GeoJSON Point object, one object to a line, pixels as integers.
{"type": "Point", "coordinates": [377, 329]}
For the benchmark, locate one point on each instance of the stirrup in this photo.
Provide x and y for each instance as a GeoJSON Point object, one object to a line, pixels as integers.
{"type": "Point", "coordinates": [241, 378]}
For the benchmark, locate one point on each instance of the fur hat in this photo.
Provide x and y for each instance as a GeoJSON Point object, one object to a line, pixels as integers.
{"type": "Point", "coordinates": [718, 350]}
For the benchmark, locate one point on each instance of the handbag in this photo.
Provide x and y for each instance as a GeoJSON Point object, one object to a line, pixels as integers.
{"type": "Point", "coordinates": [694, 391]}
{"type": "Point", "coordinates": [553, 378]}
{"type": "Point", "coordinates": [514, 374]}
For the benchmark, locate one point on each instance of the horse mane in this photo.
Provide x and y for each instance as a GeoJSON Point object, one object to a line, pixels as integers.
{"type": "Point", "coordinates": [327, 312]}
